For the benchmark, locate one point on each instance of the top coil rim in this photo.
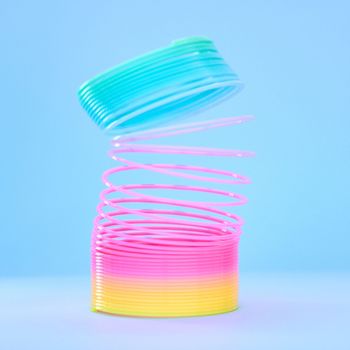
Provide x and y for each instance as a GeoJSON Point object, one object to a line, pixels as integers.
{"type": "Point", "coordinates": [158, 87]}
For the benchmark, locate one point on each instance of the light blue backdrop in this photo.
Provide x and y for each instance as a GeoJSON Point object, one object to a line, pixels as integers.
{"type": "Point", "coordinates": [294, 59]}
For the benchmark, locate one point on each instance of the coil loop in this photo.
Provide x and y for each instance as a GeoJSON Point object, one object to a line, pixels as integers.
{"type": "Point", "coordinates": [152, 255]}
{"type": "Point", "coordinates": [164, 85]}
{"type": "Point", "coordinates": [167, 262]}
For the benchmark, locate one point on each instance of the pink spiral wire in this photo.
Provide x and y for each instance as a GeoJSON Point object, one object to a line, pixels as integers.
{"type": "Point", "coordinates": [197, 238]}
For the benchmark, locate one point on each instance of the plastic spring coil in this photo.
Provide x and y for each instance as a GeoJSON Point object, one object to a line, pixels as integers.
{"type": "Point", "coordinates": [157, 255]}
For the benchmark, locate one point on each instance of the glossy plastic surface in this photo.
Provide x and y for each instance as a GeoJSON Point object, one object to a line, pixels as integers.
{"type": "Point", "coordinates": [179, 257]}
{"type": "Point", "coordinates": [153, 255]}
{"type": "Point", "coordinates": [170, 83]}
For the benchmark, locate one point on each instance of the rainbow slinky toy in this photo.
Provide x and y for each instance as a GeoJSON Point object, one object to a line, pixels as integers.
{"type": "Point", "coordinates": [152, 255]}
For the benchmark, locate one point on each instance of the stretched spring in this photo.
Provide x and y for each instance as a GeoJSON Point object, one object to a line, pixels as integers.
{"type": "Point", "coordinates": [160, 256]}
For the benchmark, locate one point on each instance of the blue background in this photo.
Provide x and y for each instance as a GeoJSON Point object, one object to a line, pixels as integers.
{"type": "Point", "coordinates": [293, 57]}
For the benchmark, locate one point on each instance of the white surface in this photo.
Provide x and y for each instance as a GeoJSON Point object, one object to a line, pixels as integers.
{"type": "Point", "coordinates": [290, 311]}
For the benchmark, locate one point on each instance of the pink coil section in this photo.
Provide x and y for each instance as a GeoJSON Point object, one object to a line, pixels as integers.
{"type": "Point", "coordinates": [178, 257]}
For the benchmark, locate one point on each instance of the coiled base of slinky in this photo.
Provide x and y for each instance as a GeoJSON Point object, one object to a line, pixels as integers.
{"type": "Point", "coordinates": [170, 287]}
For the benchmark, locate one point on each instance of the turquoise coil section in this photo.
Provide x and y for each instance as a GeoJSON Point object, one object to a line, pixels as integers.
{"type": "Point", "coordinates": [153, 89]}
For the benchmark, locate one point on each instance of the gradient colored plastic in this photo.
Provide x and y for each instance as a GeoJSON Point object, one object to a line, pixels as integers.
{"type": "Point", "coordinates": [153, 255]}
